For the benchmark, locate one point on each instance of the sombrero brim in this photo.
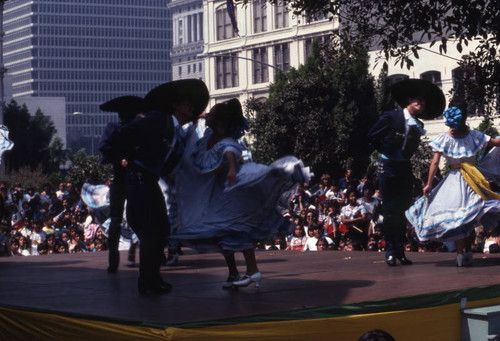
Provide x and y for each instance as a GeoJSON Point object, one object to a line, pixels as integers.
{"type": "Point", "coordinates": [192, 90]}
{"type": "Point", "coordinates": [124, 105]}
{"type": "Point", "coordinates": [435, 101]}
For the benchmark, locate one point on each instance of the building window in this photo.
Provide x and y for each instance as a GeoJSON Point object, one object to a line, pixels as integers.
{"type": "Point", "coordinates": [189, 30]}
{"type": "Point", "coordinates": [224, 25]}
{"type": "Point", "coordinates": [282, 57]}
{"type": "Point", "coordinates": [259, 16]}
{"type": "Point", "coordinates": [308, 43]}
{"type": "Point", "coordinates": [462, 77]}
{"type": "Point", "coordinates": [189, 68]}
{"type": "Point", "coordinates": [195, 28]}
{"type": "Point", "coordinates": [432, 76]}
{"type": "Point", "coordinates": [181, 32]}
{"type": "Point", "coordinates": [280, 15]}
{"type": "Point", "coordinates": [180, 70]}
{"type": "Point", "coordinates": [396, 78]}
{"type": "Point", "coordinates": [315, 17]}
{"type": "Point", "coordinates": [260, 69]}
{"type": "Point", "coordinates": [227, 71]}
{"type": "Point", "coordinates": [200, 25]}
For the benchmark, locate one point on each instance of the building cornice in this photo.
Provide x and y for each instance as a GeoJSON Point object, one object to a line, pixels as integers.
{"type": "Point", "coordinates": [184, 49]}
{"type": "Point", "coordinates": [183, 3]}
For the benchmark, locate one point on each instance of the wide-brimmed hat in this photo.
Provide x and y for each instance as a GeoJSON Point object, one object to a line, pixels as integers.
{"type": "Point", "coordinates": [128, 106]}
{"type": "Point", "coordinates": [435, 101]}
{"type": "Point", "coordinates": [192, 90]}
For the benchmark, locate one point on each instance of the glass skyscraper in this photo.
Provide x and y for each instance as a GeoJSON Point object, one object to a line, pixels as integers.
{"type": "Point", "coordinates": [87, 52]}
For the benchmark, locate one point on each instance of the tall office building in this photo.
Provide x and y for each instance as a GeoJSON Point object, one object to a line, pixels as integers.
{"type": "Point", "coordinates": [187, 46]}
{"type": "Point", "coordinates": [87, 52]}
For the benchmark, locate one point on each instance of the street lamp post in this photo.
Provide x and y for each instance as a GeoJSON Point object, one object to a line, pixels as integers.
{"type": "Point", "coordinates": [92, 127]}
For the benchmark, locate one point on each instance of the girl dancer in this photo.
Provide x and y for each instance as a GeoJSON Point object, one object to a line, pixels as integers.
{"type": "Point", "coordinates": [224, 203]}
{"type": "Point", "coordinates": [464, 198]}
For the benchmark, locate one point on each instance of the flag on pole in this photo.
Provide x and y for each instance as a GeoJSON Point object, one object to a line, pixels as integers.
{"type": "Point", "coordinates": [232, 15]}
{"type": "Point", "coordinates": [5, 143]}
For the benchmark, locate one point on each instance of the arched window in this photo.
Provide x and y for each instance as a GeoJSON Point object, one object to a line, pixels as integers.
{"type": "Point", "coordinates": [396, 78]}
{"type": "Point", "coordinates": [432, 76]}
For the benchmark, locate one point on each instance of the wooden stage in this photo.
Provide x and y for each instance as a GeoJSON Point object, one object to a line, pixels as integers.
{"type": "Point", "coordinates": [78, 284]}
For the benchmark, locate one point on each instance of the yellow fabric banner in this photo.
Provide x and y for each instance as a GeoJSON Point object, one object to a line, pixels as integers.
{"type": "Point", "coordinates": [436, 323]}
{"type": "Point", "coordinates": [476, 180]}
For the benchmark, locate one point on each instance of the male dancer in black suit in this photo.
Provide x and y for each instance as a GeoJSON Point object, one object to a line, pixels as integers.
{"type": "Point", "coordinates": [396, 136]}
{"type": "Point", "coordinates": [154, 148]}
{"type": "Point", "coordinates": [128, 108]}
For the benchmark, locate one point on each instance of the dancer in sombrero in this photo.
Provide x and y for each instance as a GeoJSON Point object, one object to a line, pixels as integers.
{"type": "Point", "coordinates": [396, 136]}
{"type": "Point", "coordinates": [128, 109]}
{"type": "Point", "coordinates": [464, 198]}
{"type": "Point", "coordinates": [154, 145]}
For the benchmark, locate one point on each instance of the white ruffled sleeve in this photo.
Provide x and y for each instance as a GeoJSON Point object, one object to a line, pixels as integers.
{"type": "Point", "coordinates": [205, 161]}
{"type": "Point", "coordinates": [440, 142]}
{"type": "Point", "coordinates": [460, 148]}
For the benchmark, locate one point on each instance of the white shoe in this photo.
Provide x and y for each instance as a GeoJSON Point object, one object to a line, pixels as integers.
{"type": "Point", "coordinates": [460, 260]}
{"type": "Point", "coordinates": [174, 260]}
{"type": "Point", "coordinates": [131, 261]}
{"type": "Point", "coordinates": [246, 280]}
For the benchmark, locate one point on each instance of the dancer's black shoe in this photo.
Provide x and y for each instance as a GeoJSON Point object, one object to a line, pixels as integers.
{"type": "Point", "coordinates": [404, 261]}
{"type": "Point", "coordinates": [160, 288]}
{"type": "Point", "coordinates": [390, 260]}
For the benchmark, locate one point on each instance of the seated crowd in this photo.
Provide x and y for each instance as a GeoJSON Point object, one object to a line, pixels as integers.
{"type": "Point", "coordinates": [342, 215]}
{"type": "Point", "coordinates": [347, 215]}
{"type": "Point", "coordinates": [48, 222]}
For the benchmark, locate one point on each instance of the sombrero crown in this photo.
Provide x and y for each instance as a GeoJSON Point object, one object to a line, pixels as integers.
{"type": "Point", "coordinates": [435, 101]}
{"type": "Point", "coordinates": [192, 90]}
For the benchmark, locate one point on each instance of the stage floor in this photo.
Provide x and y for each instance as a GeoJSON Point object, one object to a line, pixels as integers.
{"type": "Point", "coordinates": [79, 284]}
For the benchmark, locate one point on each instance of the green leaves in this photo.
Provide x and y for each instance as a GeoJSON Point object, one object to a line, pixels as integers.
{"type": "Point", "coordinates": [86, 168]}
{"type": "Point", "coordinates": [319, 113]}
{"type": "Point", "coordinates": [31, 136]}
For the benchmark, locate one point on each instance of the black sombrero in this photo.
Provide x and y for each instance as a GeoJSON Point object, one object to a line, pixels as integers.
{"type": "Point", "coordinates": [192, 90]}
{"type": "Point", "coordinates": [124, 105]}
{"type": "Point", "coordinates": [435, 101]}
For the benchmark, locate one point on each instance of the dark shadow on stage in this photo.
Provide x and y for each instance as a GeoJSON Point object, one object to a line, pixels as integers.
{"type": "Point", "coordinates": [79, 284]}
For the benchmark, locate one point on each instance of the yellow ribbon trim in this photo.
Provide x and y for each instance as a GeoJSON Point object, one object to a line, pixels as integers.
{"type": "Point", "coordinates": [436, 323]}
{"type": "Point", "coordinates": [476, 180]}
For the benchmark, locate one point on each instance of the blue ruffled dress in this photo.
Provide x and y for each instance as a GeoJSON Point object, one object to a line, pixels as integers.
{"type": "Point", "coordinates": [453, 209]}
{"type": "Point", "coordinates": [208, 215]}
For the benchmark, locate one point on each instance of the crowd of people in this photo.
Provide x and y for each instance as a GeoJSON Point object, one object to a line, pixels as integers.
{"type": "Point", "coordinates": [333, 214]}
{"type": "Point", "coordinates": [47, 222]}
{"type": "Point", "coordinates": [346, 215]}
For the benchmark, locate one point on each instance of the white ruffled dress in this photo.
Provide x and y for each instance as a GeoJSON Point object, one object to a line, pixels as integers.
{"type": "Point", "coordinates": [208, 215]}
{"type": "Point", "coordinates": [453, 209]}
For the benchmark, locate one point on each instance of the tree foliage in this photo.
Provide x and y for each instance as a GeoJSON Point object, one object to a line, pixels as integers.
{"type": "Point", "coordinates": [486, 126]}
{"type": "Point", "coordinates": [34, 147]}
{"type": "Point", "coordinates": [398, 28]}
{"type": "Point", "coordinates": [86, 168]}
{"type": "Point", "coordinates": [320, 112]}
{"type": "Point", "coordinates": [31, 136]}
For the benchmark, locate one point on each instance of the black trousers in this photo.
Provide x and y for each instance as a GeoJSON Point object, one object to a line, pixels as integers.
{"type": "Point", "coordinates": [117, 197]}
{"type": "Point", "coordinates": [147, 215]}
{"type": "Point", "coordinates": [395, 180]}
